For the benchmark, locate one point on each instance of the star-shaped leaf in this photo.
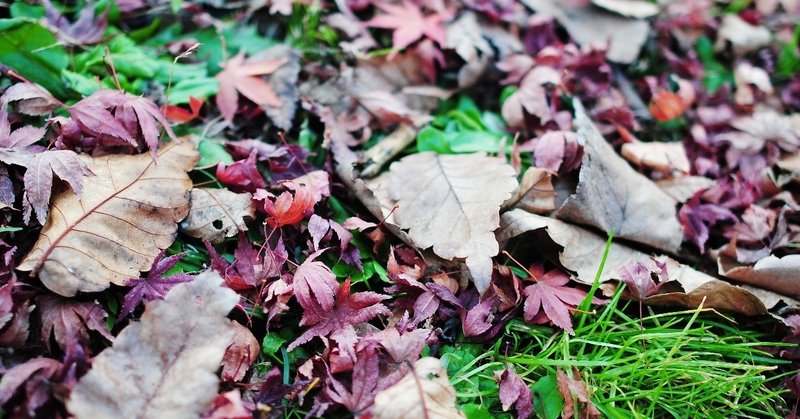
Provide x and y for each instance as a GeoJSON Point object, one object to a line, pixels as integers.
{"type": "Point", "coordinates": [155, 285]}
{"type": "Point", "coordinates": [408, 23]}
{"type": "Point", "coordinates": [550, 294]}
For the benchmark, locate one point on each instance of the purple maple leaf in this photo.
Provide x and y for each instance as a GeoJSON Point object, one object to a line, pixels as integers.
{"type": "Point", "coordinates": [514, 391]}
{"type": "Point", "coordinates": [551, 295]}
{"type": "Point", "coordinates": [348, 310]}
{"type": "Point", "coordinates": [155, 285]}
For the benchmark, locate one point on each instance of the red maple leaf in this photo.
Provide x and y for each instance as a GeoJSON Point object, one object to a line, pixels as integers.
{"type": "Point", "coordinates": [242, 175]}
{"type": "Point", "coordinates": [287, 209]}
{"type": "Point", "coordinates": [551, 295]}
{"type": "Point", "coordinates": [178, 114]}
{"type": "Point", "coordinates": [408, 23]}
{"type": "Point", "coordinates": [243, 76]}
{"type": "Point", "coordinates": [348, 310]}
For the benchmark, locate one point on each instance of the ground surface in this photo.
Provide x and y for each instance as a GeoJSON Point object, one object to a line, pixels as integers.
{"type": "Point", "coordinates": [390, 209]}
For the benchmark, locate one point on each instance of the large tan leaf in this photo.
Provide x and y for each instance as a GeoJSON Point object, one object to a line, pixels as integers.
{"type": "Point", "coordinates": [611, 194]}
{"type": "Point", "coordinates": [128, 213]}
{"type": "Point", "coordinates": [452, 203]}
{"type": "Point", "coordinates": [591, 26]}
{"type": "Point", "coordinates": [779, 274]}
{"type": "Point", "coordinates": [163, 366]}
{"type": "Point", "coordinates": [425, 392]}
{"type": "Point", "coordinates": [215, 214]}
{"type": "Point", "coordinates": [583, 250]}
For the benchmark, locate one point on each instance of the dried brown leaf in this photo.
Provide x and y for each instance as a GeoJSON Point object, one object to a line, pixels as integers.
{"type": "Point", "coordinates": [425, 392]}
{"type": "Point", "coordinates": [778, 274]}
{"type": "Point", "coordinates": [536, 193]}
{"type": "Point", "coordinates": [630, 8]}
{"type": "Point", "coordinates": [682, 188]}
{"type": "Point", "coordinates": [590, 26]}
{"type": "Point", "coordinates": [661, 157]}
{"type": "Point", "coordinates": [128, 212]}
{"type": "Point", "coordinates": [165, 365]}
{"type": "Point", "coordinates": [215, 214]}
{"type": "Point", "coordinates": [452, 203]}
{"type": "Point", "coordinates": [612, 195]}
{"type": "Point", "coordinates": [582, 250]}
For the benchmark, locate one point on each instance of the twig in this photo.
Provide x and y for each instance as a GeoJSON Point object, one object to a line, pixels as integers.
{"type": "Point", "coordinates": [387, 149]}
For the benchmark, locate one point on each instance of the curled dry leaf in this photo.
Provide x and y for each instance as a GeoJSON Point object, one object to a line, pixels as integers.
{"type": "Point", "coordinates": [452, 203]}
{"type": "Point", "coordinates": [778, 274]}
{"type": "Point", "coordinates": [582, 250]}
{"type": "Point", "coordinates": [425, 392]}
{"type": "Point", "coordinates": [590, 26]}
{"type": "Point", "coordinates": [612, 195]}
{"type": "Point", "coordinates": [536, 193]}
{"type": "Point", "coordinates": [682, 188]}
{"type": "Point", "coordinates": [661, 157]}
{"type": "Point", "coordinates": [165, 365]}
{"type": "Point", "coordinates": [128, 212]}
{"type": "Point", "coordinates": [631, 8]}
{"type": "Point", "coordinates": [215, 214]}
{"type": "Point", "coordinates": [742, 36]}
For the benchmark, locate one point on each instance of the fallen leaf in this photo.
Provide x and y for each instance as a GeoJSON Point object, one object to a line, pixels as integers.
{"type": "Point", "coordinates": [590, 26]}
{"type": "Point", "coordinates": [287, 209]}
{"type": "Point", "coordinates": [662, 157]}
{"type": "Point", "coordinates": [514, 391]}
{"type": "Point", "coordinates": [155, 286]}
{"type": "Point", "coordinates": [65, 164]}
{"type": "Point", "coordinates": [550, 295]}
{"type": "Point", "coordinates": [452, 203]}
{"type": "Point", "coordinates": [215, 214]}
{"type": "Point", "coordinates": [465, 36]}
{"type": "Point", "coordinates": [575, 392]}
{"type": "Point", "coordinates": [348, 310]}
{"type": "Point", "coordinates": [666, 106]}
{"type": "Point", "coordinates": [535, 193]}
{"type": "Point", "coordinates": [581, 250]}
{"type": "Point", "coordinates": [69, 321]}
{"type": "Point", "coordinates": [682, 188]}
{"type": "Point", "coordinates": [612, 195]}
{"type": "Point", "coordinates": [408, 23]}
{"type": "Point", "coordinates": [425, 392]}
{"type": "Point", "coordinates": [86, 30]}
{"type": "Point", "coordinates": [743, 36]}
{"type": "Point", "coordinates": [30, 99]}
{"type": "Point", "coordinates": [778, 274]}
{"type": "Point", "coordinates": [244, 76]}
{"type": "Point", "coordinates": [240, 355]}
{"type": "Point", "coordinates": [630, 8]}
{"type": "Point", "coordinates": [165, 365]}
{"type": "Point", "coordinates": [128, 212]}
{"type": "Point", "coordinates": [283, 82]}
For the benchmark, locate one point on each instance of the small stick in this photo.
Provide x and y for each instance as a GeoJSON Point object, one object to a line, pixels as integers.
{"type": "Point", "coordinates": [387, 149]}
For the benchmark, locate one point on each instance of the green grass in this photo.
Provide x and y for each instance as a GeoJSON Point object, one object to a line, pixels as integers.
{"type": "Point", "coordinates": [691, 363]}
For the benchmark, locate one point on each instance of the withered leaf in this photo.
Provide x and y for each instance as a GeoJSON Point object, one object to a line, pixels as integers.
{"type": "Point", "coordinates": [452, 203]}
{"type": "Point", "coordinates": [215, 214]}
{"type": "Point", "coordinates": [127, 213]}
{"type": "Point", "coordinates": [165, 365]}
{"type": "Point", "coordinates": [610, 194]}
{"type": "Point", "coordinates": [536, 193]}
{"type": "Point", "coordinates": [778, 274]}
{"type": "Point", "coordinates": [582, 250]}
{"type": "Point", "coordinates": [590, 26]}
{"type": "Point", "coordinates": [425, 392]}
{"type": "Point", "coordinates": [69, 321]}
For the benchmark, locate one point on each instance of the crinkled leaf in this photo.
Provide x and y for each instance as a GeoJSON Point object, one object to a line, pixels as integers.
{"type": "Point", "coordinates": [164, 365]}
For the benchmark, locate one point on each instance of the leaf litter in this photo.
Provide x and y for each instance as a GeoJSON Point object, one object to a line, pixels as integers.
{"type": "Point", "coordinates": [390, 193]}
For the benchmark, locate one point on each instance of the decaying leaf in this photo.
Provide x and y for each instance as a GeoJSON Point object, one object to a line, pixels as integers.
{"type": "Point", "coordinates": [590, 26]}
{"type": "Point", "coordinates": [128, 212]}
{"type": "Point", "coordinates": [244, 76]}
{"type": "Point", "coordinates": [452, 203]}
{"type": "Point", "coordinates": [215, 214]}
{"type": "Point", "coordinates": [582, 250]}
{"type": "Point", "coordinates": [778, 274]}
{"type": "Point", "coordinates": [536, 193]}
{"type": "Point", "coordinates": [681, 188]}
{"type": "Point", "coordinates": [425, 392]}
{"type": "Point", "coordinates": [743, 36]}
{"type": "Point", "coordinates": [165, 365]}
{"type": "Point", "coordinates": [662, 157]}
{"type": "Point", "coordinates": [631, 8]}
{"type": "Point", "coordinates": [611, 195]}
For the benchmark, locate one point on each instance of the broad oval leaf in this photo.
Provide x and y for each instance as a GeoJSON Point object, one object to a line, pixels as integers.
{"type": "Point", "coordinates": [452, 202]}
{"type": "Point", "coordinates": [215, 214]}
{"type": "Point", "coordinates": [165, 365]}
{"type": "Point", "coordinates": [128, 212]}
